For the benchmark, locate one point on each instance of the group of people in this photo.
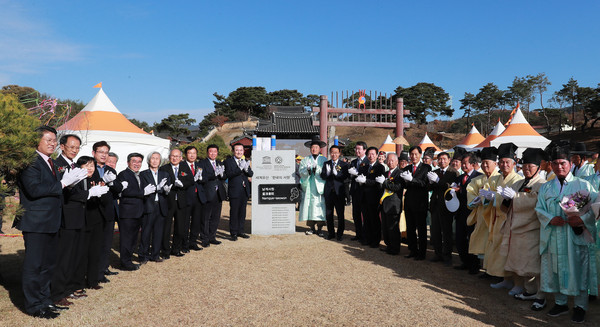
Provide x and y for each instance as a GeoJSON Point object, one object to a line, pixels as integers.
{"type": "Point", "coordinates": [71, 206]}
{"type": "Point", "coordinates": [507, 216]}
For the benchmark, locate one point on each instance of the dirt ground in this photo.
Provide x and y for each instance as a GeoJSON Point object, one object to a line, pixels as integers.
{"type": "Point", "coordinates": [289, 280]}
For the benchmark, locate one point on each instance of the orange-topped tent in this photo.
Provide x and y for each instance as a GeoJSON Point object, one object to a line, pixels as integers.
{"type": "Point", "coordinates": [426, 142]}
{"type": "Point", "coordinates": [100, 120]}
{"type": "Point", "coordinates": [498, 129]}
{"type": "Point", "coordinates": [472, 139]}
{"type": "Point", "coordinates": [521, 134]}
{"type": "Point", "coordinates": [388, 145]}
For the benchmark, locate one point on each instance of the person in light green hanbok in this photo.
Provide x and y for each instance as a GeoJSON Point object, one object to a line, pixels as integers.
{"type": "Point", "coordinates": [568, 266]}
{"type": "Point", "coordinates": [312, 206]}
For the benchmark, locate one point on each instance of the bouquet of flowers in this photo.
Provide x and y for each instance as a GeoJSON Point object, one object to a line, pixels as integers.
{"type": "Point", "coordinates": [577, 204]}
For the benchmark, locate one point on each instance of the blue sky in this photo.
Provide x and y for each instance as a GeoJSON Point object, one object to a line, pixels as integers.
{"type": "Point", "coordinates": [156, 58]}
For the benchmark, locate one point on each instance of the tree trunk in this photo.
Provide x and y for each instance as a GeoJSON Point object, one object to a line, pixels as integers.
{"type": "Point", "coordinates": [548, 128]}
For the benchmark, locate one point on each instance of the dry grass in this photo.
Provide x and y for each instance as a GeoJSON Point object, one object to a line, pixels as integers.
{"type": "Point", "coordinates": [287, 280]}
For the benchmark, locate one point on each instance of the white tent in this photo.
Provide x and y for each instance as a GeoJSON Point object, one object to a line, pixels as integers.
{"type": "Point", "coordinates": [472, 139]}
{"type": "Point", "coordinates": [521, 134]}
{"type": "Point", "coordinates": [388, 145]}
{"type": "Point", "coordinates": [100, 120]}
{"type": "Point", "coordinates": [498, 129]}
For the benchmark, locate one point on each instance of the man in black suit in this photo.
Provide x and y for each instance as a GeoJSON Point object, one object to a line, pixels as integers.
{"type": "Point", "coordinates": [335, 173]}
{"type": "Point", "coordinates": [440, 181]}
{"type": "Point", "coordinates": [371, 194]}
{"type": "Point", "coordinates": [391, 205]}
{"type": "Point", "coordinates": [416, 203]}
{"type": "Point", "coordinates": [41, 192]}
{"type": "Point", "coordinates": [195, 199]}
{"type": "Point", "coordinates": [178, 205]}
{"type": "Point", "coordinates": [463, 231]}
{"type": "Point", "coordinates": [131, 208]}
{"type": "Point", "coordinates": [356, 190]}
{"type": "Point", "coordinates": [213, 174]}
{"type": "Point", "coordinates": [100, 152]}
{"type": "Point", "coordinates": [237, 171]}
{"type": "Point", "coordinates": [156, 209]}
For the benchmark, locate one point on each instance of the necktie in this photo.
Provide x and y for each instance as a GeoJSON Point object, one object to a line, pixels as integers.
{"type": "Point", "coordinates": [214, 166]}
{"type": "Point", "coordinates": [414, 169]}
{"type": "Point", "coordinates": [137, 177]}
{"type": "Point", "coordinates": [52, 166]}
{"type": "Point", "coordinates": [176, 172]}
{"type": "Point", "coordinates": [72, 165]}
{"type": "Point", "coordinates": [192, 168]}
{"type": "Point", "coordinates": [389, 173]}
{"type": "Point", "coordinates": [464, 181]}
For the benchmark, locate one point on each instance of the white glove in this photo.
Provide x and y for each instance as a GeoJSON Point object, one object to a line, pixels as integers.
{"type": "Point", "coordinates": [453, 185]}
{"type": "Point", "coordinates": [109, 177]}
{"type": "Point", "coordinates": [328, 169]}
{"type": "Point", "coordinates": [486, 194]}
{"type": "Point", "coordinates": [178, 183]}
{"type": "Point", "coordinates": [125, 184]}
{"type": "Point", "coordinates": [97, 190]}
{"type": "Point", "coordinates": [433, 177]}
{"type": "Point", "coordinates": [162, 183]}
{"type": "Point", "coordinates": [361, 179]}
{"type": "Point", "coordinates": [167, 188]}
{"type": "Point", "coordinates": [149, 189]}
{"type": "Point", "coordinates": [335, 172]}
{"type": "Point", "coordinates": [73, 176]}
{"type": "Point", "coordinates": [380, 179]}
{"type": "Point", "coordinates": [508, 193]}
{"type": "Point", "coordinates": [406, 176]}
{"type": "Point", "coordinates": [352, 171]}
{"type": "Point", "coordinates": [198, 175]}
{"type": "Point", "coordinates": [244, 165]}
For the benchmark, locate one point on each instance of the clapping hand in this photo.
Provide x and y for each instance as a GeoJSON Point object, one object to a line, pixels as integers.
{"type": "Point", "coordinates": [162, 183]}
{"type": "Point", "coordinates": [73, 176]}
{"type": "Point", "coordinates": [361, 179]}
{"type": "Point", "coordinates": [352, 171]}
{"type": "Point", "coordinates": [109, 177]}
{"type": "Point", "coordinates": [178, 183]}
{"type": "Point", "coordinates": [167, 188]}
{"type": "Point", "coordinates": [489, 195]}
{"type": "Point", "coordinates": [380, 179]}
{"type": "Point", "coordinates": [97, 190]}
{"type": "Point", "coordinates": [407, 176]}
{"type": "Point", "coordinates": [328, 169]}
{"type": "Point", "coordinates": [433, 177]}
{"type": "Point", "coordinates": [125, 184]}
{"type": "Point", "coordinates": [198, 176]}
{"type": "Point", "coordinates": [149, 189]}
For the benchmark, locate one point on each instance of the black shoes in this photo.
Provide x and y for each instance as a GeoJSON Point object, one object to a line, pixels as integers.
{"type": "Point", "coordinates": [243, 235]}
{"type": "Point", "coordinates": [330, 237]}
{"type": "Point", "coordinates": [215, 242]}
{"type": "Point", "coordinates": [411, 255]}
{"type": "Point", "coordinates": [45, 313]}
{"type": "Point", "coordinates": [177, 254]}
{"type": "Point", "coordinates": [340, 237]}
{"type": "Point", "coordinates": [104, 280]}
{"type": "Point", "coordinates": [195, 247]}
{"type": "Point", "coordinates": [234, 238]}
{"type": "Point", "coordinates": [185, 251]}
{"type": "Point", "coordinates": [205, 244]}
{"type": "Point", "coordinates": [578, 315]}
{"type": "Point", "coordinates": [110, 273]}
{"type": "Point", "coordinates": [559, 310]}
{"type": "Point", "coordinates": [130, 267]}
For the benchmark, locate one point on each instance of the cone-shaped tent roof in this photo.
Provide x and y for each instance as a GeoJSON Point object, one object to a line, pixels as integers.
{"type": "Point", "coordinates": [498, 129]}
{"type": "Point", "coordinates": [100, 120]}
{"type": "Point", "coordinates": [388, 145]}
{"type": "Point", "coordinates": [401, 140]}
{"type": "Point", "coordinates": [426, 142]}
{"type": "Point", "coordinates": [521, 134]}
{"type": "Point", "coordinates": [472, 139]}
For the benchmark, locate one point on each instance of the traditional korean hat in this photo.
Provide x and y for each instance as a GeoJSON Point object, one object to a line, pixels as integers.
{"type": "Point", "coordinates": [558, 150]}
{"type": "Point", "coordinates": [403, 156]}
{"type": "Point", "coordinates": [458, 153]}
{"type": "Point", "coordinates": [579, 148]}
{"type": "Point", "coordinates": [429, 152]}
{"type": "Point", "coordinates": [489, 153]}
{"type": "Point", "coordinates": [315, 140]}
{"type": "Point", "coordinates": [507, 150]}
{"type": "Point", "coordinates": [533, 156]}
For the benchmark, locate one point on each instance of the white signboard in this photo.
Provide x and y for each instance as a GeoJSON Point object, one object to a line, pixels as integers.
{"type": "Point", "coordinates": [273, 192]}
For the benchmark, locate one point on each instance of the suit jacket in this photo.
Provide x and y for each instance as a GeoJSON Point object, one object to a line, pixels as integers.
{"type": "Point", "coordinates": [96, 207]}
{"type": "Point", "coordinates": [146, 179]}
{"type": "Point", "coordinates": [238, 184]}
{"type": "Point", "coordinates": [436, 202]}
{"type": "Point", "coordinates": [213, 185]}
{"type": "Point", "coordinates": [371, 189]}
{"type": "Point", "coordinates": [74, 199]}
{"type": "Point", "coordinates": [417, 193]}
{"type": "Point", "coordinates": [177, 198]}
{"type": "Point", "coordinates": [41, 194]}
{"type": "Point", "coordinates": [392, 205]}
{"type": "Point", "coordinates": [108, 207]}
{"type": "Point", "coordinates": [335, 183]}
{"type": "Point", "coordinates": [462, 193]}
{"type": "Point", "coordinates": [195, 192]}
{"type": "Point", "coordinates": [131, 204]}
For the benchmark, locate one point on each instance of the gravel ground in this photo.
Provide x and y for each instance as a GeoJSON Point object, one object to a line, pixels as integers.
{"type": "Point", "coordinates": [295, 280]}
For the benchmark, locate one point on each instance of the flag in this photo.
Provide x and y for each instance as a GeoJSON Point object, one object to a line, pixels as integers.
{"type": "Point", "coordinates": [512, 113]}
{"type": "Point", "coordinates": [98, 86]}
